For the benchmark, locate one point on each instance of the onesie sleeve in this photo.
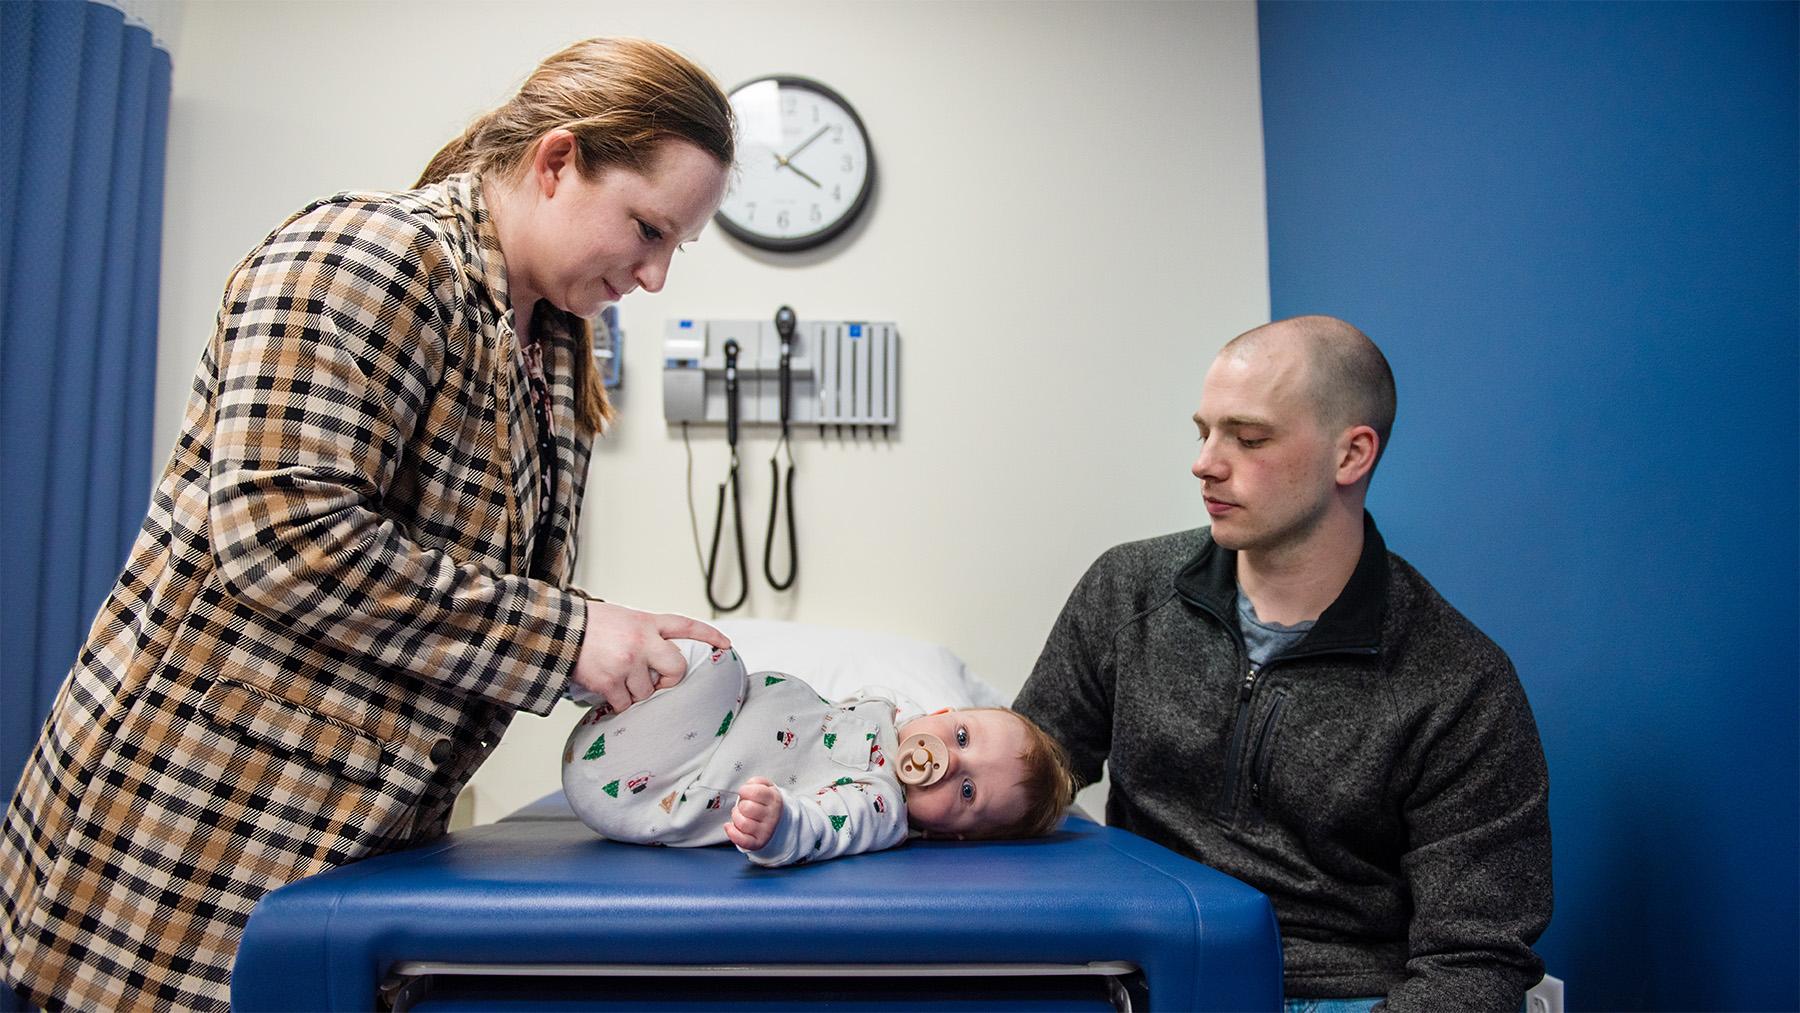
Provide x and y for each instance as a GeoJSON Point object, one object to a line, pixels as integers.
{"type": "Point", "coordinates": [846, 818]}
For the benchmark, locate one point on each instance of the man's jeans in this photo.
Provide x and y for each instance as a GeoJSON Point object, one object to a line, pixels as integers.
{"type": "Point", "coordinates": [1331, 1005]}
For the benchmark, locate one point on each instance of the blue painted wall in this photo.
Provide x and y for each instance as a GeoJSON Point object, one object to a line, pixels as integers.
{"type": "Point", "coordinates": [1573, 230]}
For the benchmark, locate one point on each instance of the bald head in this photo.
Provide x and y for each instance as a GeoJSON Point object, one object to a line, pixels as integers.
{"type": "Point", "coordinates": [1348, 378]}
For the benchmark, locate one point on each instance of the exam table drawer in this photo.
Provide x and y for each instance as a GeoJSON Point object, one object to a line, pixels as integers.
{"type": "Point", "coordinates": [500, 993]}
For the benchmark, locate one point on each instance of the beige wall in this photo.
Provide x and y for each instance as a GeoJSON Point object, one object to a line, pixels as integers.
{"type": "Point", "coordinates": [1069, 222]}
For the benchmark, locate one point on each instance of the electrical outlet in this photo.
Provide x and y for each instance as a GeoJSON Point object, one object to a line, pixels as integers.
{"type": "Point", "coordinates": [1545, 997]}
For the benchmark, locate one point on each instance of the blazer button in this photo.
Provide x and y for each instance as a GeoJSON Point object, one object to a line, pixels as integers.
{"type": "Point", "coordinates": [442, 752]}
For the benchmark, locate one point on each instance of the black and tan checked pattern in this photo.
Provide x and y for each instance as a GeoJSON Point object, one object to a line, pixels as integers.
{"type": "Point", "coordinates": [322, 628]}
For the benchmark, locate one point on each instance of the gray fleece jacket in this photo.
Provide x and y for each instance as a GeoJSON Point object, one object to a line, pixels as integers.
{"type": "Point", "coordinates": [1381, 781]}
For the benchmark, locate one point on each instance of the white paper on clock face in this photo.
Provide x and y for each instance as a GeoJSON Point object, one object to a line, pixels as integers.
{"type": "Point", "coordinates": [801, 161]}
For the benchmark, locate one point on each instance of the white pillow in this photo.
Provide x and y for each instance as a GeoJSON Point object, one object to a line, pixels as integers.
{"type": "Point", "coordinates": [837, 662]}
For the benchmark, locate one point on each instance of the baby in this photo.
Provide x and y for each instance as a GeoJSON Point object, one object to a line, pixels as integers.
{"type": "Point", "coordinates": [763, 761]}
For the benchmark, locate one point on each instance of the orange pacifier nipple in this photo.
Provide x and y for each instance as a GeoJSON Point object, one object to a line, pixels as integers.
{"type": "Point", "coordinates": [922, 759]}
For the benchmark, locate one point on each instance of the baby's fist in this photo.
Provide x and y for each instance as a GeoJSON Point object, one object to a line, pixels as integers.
{"type": "Point", "coordinates": [756, 815]}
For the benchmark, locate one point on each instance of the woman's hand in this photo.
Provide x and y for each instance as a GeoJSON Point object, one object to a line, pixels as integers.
{"type": "Point", "coordinates": [756, 815]}
{"type": "Point", "coordinates": [626, 655]}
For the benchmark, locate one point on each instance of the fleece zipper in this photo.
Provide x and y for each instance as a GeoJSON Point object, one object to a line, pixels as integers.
{"type": "Point", "coordinates": [1258, 762]}
{"type": "Point", "coordinates": [1264, 757]}
{"type": "Point", "coordinates": [1240, 726]}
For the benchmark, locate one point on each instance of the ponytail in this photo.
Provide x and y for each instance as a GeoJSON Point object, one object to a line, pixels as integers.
{"type": "Point", "coordinates": [457, 156]}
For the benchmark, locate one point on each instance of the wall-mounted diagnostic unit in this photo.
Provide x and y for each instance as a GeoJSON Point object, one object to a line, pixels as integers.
{"type": "Point", "coordinates": [783, 372]}
{"type": "Point", "coordinates": [841, 372]}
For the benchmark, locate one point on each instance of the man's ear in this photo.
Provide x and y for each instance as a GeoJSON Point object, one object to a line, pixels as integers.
{"type": "Point", "coordinates": [554, 155]}
{"type": "Point", "coordinates": [1357, 449]}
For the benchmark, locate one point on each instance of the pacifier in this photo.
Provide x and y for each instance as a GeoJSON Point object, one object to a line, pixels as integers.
{"type": "Point", "coordinates": [922, 759]}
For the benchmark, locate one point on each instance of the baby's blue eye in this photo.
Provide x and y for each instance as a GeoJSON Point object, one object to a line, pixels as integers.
{"type": "Point", "coordinates": [968, 790]}
{"type": "Point", "coordinates": [962, 737]}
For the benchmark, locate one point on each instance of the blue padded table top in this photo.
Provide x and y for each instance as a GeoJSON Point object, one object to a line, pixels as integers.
{"type": "Point", "coordinates": [538, 888]}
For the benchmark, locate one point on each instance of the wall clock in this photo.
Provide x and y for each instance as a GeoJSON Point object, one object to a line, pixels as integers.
{"type": "Point", "coordinates": [804, 165]}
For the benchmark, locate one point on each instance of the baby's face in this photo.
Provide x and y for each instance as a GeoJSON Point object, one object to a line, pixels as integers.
{"type": "Point", "coordinates": [982, 772]}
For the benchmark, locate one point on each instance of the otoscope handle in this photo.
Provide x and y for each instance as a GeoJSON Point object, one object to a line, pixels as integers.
{"type": "Point", "coordinates": [784, 325]}
{"type": "Point", "coordinates": [731, 401]}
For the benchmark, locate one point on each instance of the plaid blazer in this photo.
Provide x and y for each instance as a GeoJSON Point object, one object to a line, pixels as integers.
{"type": "Point", "coordinates": [324, 625]}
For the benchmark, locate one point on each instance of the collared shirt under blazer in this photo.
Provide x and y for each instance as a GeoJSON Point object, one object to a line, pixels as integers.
{"type": "Point", "coordinates": [325, 623]}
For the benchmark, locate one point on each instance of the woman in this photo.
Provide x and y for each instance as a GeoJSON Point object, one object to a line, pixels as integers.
{"type": "Point", "coordinates": [355, 568]}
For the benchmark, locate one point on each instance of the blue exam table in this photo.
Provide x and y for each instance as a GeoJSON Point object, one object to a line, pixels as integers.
{"type": "Point", "coordinates": [535, 912]}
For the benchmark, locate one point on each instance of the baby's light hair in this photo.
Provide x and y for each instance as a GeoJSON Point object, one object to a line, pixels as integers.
{"type": "Point", "coordinates": [1049, 785]}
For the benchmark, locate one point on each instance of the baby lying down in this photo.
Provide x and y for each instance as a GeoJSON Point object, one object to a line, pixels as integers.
{"type": "Point", "coordinates": [763, 761]}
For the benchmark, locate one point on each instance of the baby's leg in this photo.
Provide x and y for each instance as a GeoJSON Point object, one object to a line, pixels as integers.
{"type": "Point", "coordinates": [624, 774]}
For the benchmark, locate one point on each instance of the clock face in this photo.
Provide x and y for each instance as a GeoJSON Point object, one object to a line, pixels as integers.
{"type": "Point", "coordinates": [804, 169]}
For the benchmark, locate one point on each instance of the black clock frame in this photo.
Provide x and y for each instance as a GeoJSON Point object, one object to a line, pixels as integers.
{"type": "Point", "coordinates": [793, 244]}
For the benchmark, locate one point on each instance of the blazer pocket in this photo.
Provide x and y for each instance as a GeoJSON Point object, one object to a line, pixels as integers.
{"type": "Point", "coordinates": [282, 726]}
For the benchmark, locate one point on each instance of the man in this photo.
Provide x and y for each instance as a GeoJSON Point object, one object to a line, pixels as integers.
{"type": "Point", "coordinates": [1282, 698]}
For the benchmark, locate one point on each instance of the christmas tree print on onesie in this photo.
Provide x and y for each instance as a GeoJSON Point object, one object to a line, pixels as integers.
{"type": "Point", "coordinates": [597, 750]}
{"type": "Point", "coordinates": [837, 822]}
{"type": "Point", "coordinates": [725, 725]}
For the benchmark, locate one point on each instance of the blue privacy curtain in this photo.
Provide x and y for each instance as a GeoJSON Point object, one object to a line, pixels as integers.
{"type": "Point", "coordinates": [84, 104]}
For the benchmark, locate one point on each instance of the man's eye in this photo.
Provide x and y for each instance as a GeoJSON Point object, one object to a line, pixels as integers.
{"type": "Point", "coordinates": [962, 737]}
{"type": "Point", "coordinates": [968, 789]}
{"type": "Point", "coordinates": [1252, 444]}
{"type": "Point", "coordinates": [650, 232]}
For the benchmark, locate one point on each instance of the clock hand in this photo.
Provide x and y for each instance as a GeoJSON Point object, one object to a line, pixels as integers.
{"type": "Point", "coordinates": [816, 135]}
{"type": "Point", "coordinates": [783, 163]}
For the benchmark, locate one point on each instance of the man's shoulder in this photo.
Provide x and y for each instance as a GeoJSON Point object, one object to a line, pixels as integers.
{"type": "Point", "coordinates": [1160, 556]}
{"type": "Point", "coordinates": [1135, 576]}
{"type": "Point", "coordinates": [1434, 635]}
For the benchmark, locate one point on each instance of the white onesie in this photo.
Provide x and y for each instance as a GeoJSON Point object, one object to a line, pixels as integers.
{"type": "Point", "coordinates": [667, 770]}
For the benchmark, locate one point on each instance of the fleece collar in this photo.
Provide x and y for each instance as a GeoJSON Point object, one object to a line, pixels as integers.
{"type": "Point", "coordinates": [1351, 623]}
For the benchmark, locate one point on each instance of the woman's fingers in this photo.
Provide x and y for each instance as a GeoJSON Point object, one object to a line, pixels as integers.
{"type": "Point", "coordinates": [640, 682]}
{"type": "Point", "coordinates": [667, 663]}
{"type": "Point", "coordinates": [674, 627]}
{"type": "Point", "coordinates": [626, 655]}
{"type": "Point", "coordinates": [617, 696]}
